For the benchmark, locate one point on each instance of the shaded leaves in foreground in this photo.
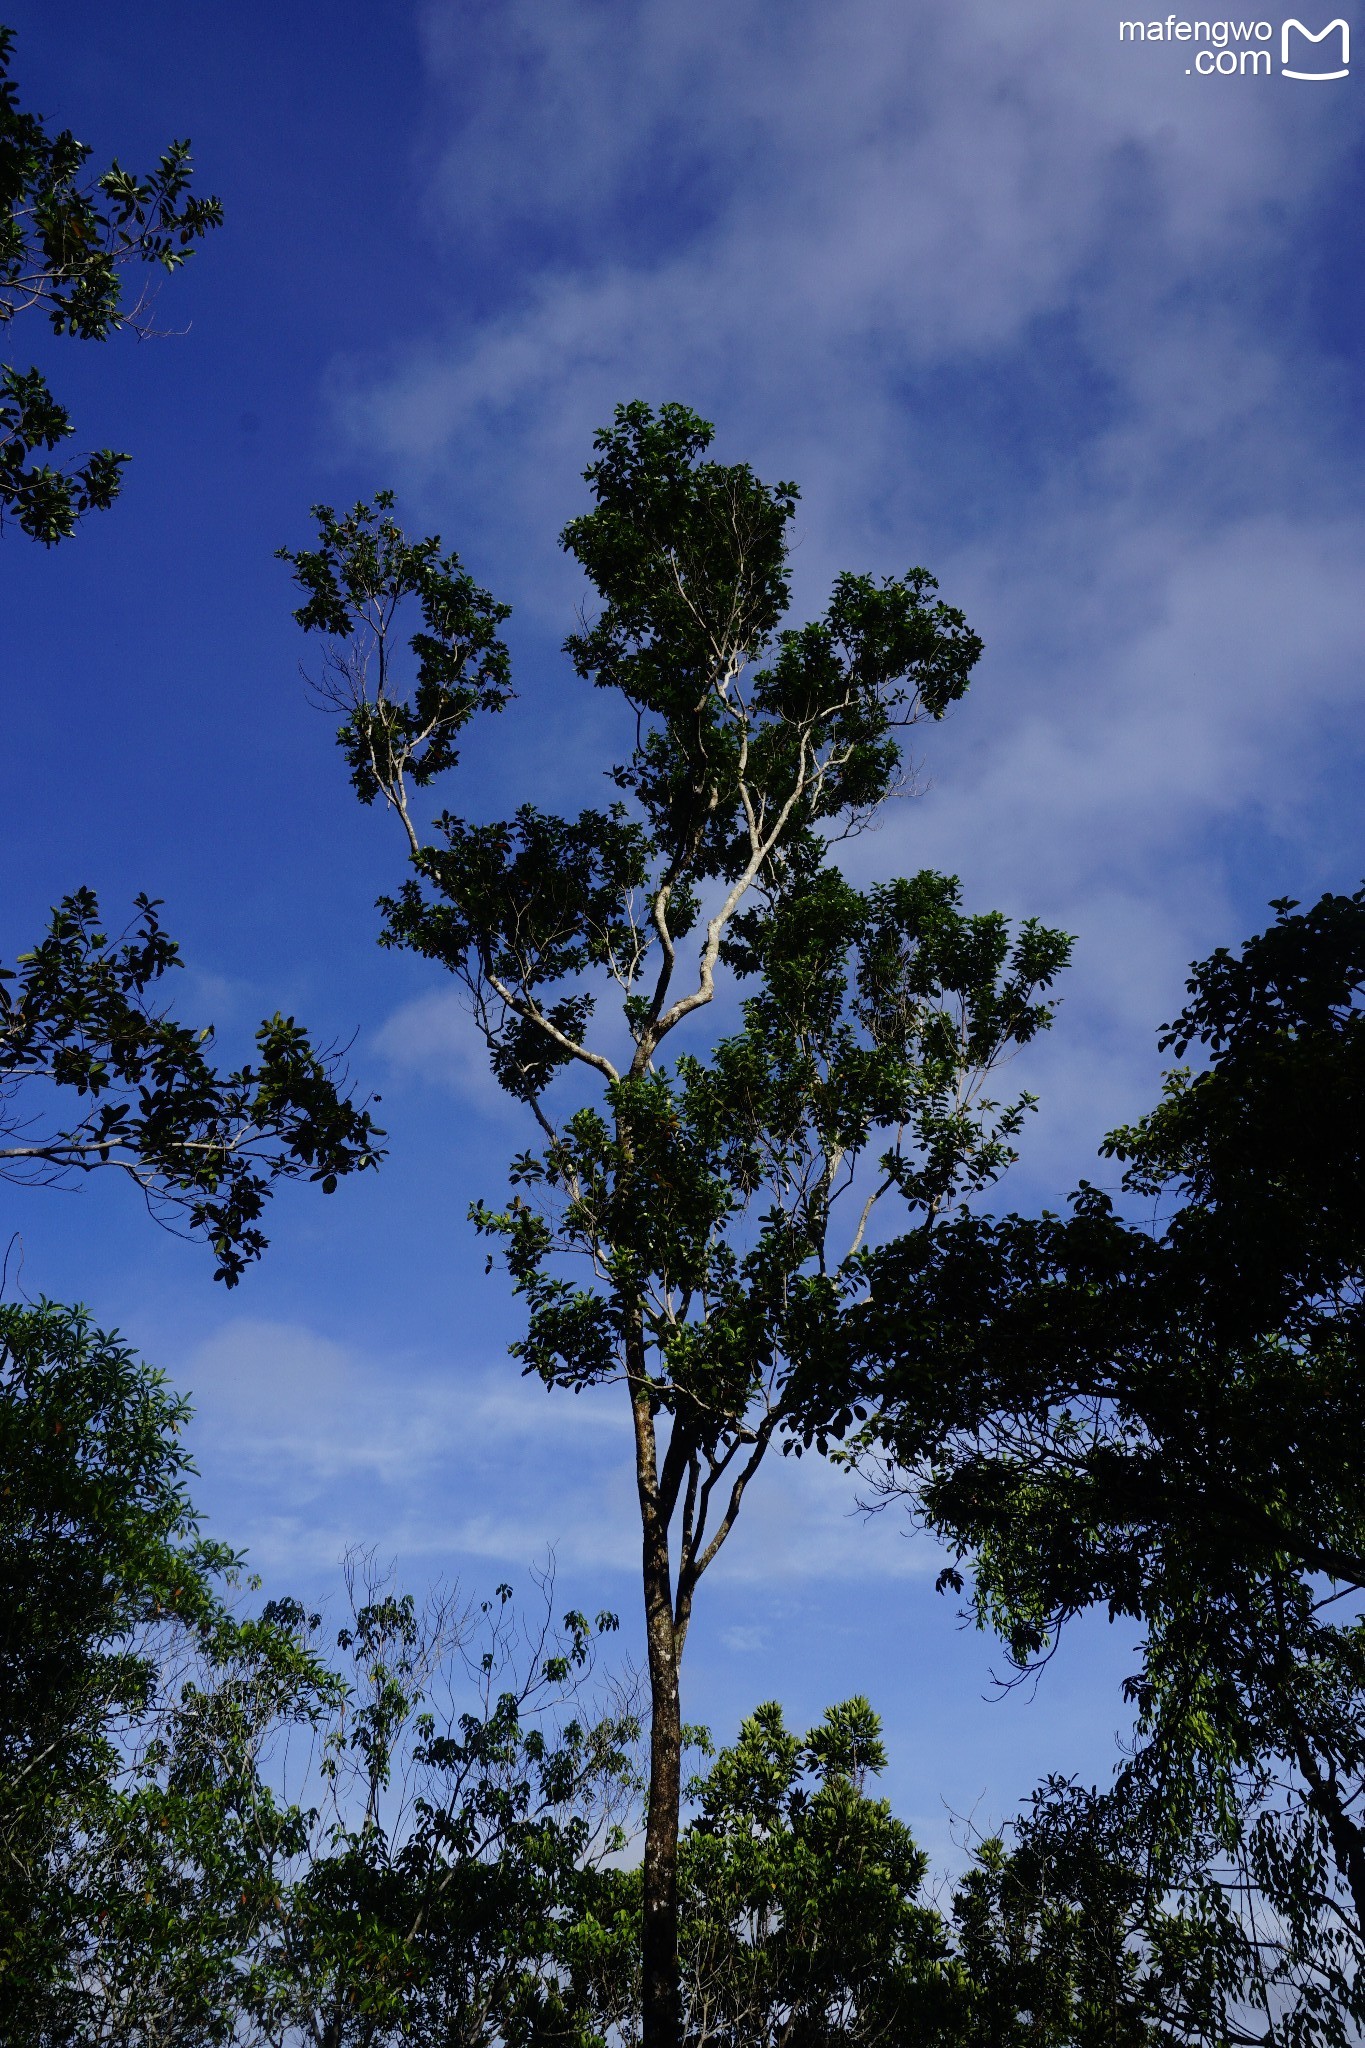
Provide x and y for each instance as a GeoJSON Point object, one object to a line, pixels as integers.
{"type": "Point", "coordinates": [93, 1074]}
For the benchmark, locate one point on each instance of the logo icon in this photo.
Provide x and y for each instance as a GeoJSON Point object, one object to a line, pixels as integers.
{"type": "Point", "coordinates": [1326, 56]}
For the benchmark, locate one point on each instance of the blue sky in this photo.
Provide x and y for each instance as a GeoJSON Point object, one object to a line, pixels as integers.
{"type": "Point", "coordinates": [1075, 328]}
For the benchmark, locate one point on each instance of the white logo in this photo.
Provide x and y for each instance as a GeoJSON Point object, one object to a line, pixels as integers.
{"type": "Point", "coordinates": [1327, 55]}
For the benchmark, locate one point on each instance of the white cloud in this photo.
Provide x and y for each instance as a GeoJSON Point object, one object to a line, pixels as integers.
{"type": "Point", "coordinates": [779, 213]}
{"type": "Point", "coordinates": [435, 1038]}
{"type": "Point", "coordinates": [281, 1391]}
{"type": "Point", "coordinates": [986, 282]}
{"type": "Point", "coordinates": [745, 1641]}
{"type": "Point", "coordinates": [1209, 695]}
{"type": "Point", "coordinates": [803, 1524]}
{"type": "Point", "coordinates": [330, 1447]}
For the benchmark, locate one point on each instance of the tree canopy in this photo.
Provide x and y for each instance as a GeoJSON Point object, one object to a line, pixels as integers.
{"type": "Point", "coordinates": [216, 1826]}
{"type": "Point", "coordinates": [1163, 1418]}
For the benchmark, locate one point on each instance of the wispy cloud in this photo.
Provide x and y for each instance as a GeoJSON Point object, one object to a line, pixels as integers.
{"type": "Point", "coordinates": [459, 1467]}
{"type": "Point", "coordinates": [434, 1038]}
{"type": "Point", "coordinates": [1004, 296]}
{"type": "Point", "coordinates": [784, 214]}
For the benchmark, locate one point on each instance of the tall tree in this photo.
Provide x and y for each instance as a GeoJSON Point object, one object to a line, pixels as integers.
{"type": "Point", "coordinates": [1164, 1418]}
{"type": "Point", "coordinates": [66, 238]}
{"type": "Point", "coordinates": [679, 1230]}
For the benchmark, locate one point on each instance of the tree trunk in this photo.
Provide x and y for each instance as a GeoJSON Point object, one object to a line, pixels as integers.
{"type": "Point", "coordinates": [661, 2001]}
{"type": "Point", "coordinates": [662, 2005]}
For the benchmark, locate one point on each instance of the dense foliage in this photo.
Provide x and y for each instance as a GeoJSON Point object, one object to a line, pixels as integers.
{"type": "Point", "coordinates": [216, 1830]}
{"type": "Point", "coordinates": [801, 1916]}
{"type": "Point", "coordinates": [210, 1830]}
{"type": "Point", "coordinates": [1165, 1419]}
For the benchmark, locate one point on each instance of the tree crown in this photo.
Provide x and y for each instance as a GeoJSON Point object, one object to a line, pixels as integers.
{"type": "Point", "coordinates": [703, 1192]}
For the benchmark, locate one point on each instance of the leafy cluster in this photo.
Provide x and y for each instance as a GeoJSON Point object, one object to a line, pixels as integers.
{"type": "Point", "coordinates": [65, 241]}
{"type": "Point", "coordinates": [75, 1018]}
{"type": "Point", "coordinates": [454, 1846]}
{"type": "Point", "coordinates": [358, 577]}
{"type": "Point", "coordinates": [1064, 1942]}
{"type": "Point", "coordinates": [801, 1920]}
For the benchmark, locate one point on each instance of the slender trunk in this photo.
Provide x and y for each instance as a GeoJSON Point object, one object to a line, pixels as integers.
{"type": "Point", "coordinates": [662, 2011]}
{"type": "Point", "coordinates": [661, 2003]}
